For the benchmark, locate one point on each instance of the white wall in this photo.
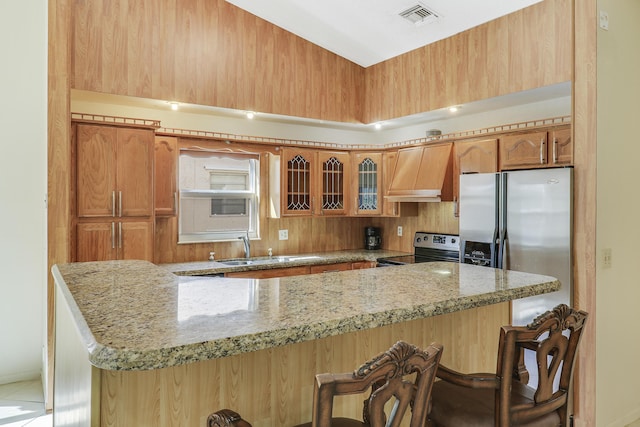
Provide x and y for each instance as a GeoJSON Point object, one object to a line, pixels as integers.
{"type": "Point", "coordinates": [618, 210]}
{"type": "Point", "coordinates": [23, 185]}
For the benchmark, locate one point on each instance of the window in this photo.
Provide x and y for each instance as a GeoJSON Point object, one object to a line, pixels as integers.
{"type": "Point", "coordinates": [219, 196]}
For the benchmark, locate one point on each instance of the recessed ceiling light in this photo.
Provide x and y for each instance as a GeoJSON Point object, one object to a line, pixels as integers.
{"type": "Point", "coordinates": [378, 126]}
{"type": "Point", "coordinates": [174, 106]}
{"type": "Point", "coordinates": [250, 114]}
{"type": "Point", "coordinates": [453, 109]}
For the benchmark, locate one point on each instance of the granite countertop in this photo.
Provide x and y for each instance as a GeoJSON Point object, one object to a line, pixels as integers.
{"type": "Point", "coordinates": [281, 261]}
{"type": "Point", "coordinates": [134, 315]}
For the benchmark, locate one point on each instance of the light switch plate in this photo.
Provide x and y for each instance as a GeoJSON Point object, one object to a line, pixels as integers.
{"type": "Point", "coordinates": [604, 20]}
{"type": "Point", "coordinates": [283, 234]}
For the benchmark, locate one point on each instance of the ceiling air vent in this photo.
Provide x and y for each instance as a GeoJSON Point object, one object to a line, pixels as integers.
{"type": "Point", "coordinates": [419, 14]}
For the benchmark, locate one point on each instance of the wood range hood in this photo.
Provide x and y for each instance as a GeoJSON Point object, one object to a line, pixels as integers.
{"type": "Point", "coordinates": [422, 174]}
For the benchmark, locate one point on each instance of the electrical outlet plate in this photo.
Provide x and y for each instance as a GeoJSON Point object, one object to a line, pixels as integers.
{"type": "Point", "coordinates": [399, 231]}
{"type": "Point", "coordinates": [283, 234]}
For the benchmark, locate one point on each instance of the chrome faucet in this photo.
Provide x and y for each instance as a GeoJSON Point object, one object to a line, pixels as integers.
{"type": "Point", "coordinates": [247, 245]}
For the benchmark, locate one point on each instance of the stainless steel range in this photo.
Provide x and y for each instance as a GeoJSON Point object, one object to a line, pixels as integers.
{"type": "Point", "coordinates": [428, 247]}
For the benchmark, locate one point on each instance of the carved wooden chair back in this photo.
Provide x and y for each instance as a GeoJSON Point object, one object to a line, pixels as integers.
{"type": "Point", "coordinates": [506, 398]}
{"type": "Point", "coordinates": [404, 375]}
{"type": "Point", "coordinates": [553, 337]}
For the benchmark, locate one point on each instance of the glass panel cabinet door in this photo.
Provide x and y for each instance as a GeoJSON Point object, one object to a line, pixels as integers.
{"type": "Point", "coordinates": [334, 169]}
{"type": "Point", "coordinates": [315, 182]}
{"type": "Point", "coordinates": [297, 181]}
{"type": "Point", "coordinates": [367, 183]}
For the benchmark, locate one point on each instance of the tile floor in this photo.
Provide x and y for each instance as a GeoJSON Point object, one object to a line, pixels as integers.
{"type": "Point", "coordinates": [22, 404]}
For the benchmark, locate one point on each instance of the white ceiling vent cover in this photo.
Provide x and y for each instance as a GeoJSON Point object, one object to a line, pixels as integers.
{"type": "Point", "coordinates": [419, 14]}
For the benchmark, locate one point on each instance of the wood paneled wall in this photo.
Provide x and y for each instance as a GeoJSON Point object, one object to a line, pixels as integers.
{"type": "Point", "coordinates": [209, 52]}
{"type": "Point", "coordinates": [585, 119]}
{"type": "Point", "coordinates": [527, 49]}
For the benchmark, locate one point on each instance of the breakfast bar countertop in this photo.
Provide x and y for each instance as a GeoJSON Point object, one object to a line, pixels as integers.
{"type": "Point", "coordinates": [135, 315]}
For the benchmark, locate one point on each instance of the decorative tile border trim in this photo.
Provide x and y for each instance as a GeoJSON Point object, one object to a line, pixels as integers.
{"type": "Point", "coordinates": [155, 124]}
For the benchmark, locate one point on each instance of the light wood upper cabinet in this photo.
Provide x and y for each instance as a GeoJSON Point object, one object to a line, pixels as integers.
{"type": "Point", "coordinates": [561, 149]}
{"type": "Point", "coordinates": [473, 157]}
{"type": "Point", "coordinates": [315, 182]}
{"type": "Point", "coordinates": [536, 149]}
{"type": "Point", "coordinates": [334, 175]}
{"type": "Point", "coordinates": [366, 183]}
{"type": "Point", "coordinates": [114, 171]}
{"type": "Point", "coordinates": [95, 171]}
{"type": "Point", "coordinates": [422, 173]}
{"type": "Point", "coordinates": [393, 209]}
{"type": "Point", "coordinates": [298, 181]}
{"type": "Point", "coordinates": [135, 172]}
{"type": "Point", "coordinates": [166, 175]}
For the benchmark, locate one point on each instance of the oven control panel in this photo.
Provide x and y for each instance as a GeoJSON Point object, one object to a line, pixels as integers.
{"type": "Point", "coordinates": [448, 242]}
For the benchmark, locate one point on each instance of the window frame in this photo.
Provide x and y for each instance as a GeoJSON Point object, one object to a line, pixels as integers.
{"type": "Point", "coordinates": [251, 195]}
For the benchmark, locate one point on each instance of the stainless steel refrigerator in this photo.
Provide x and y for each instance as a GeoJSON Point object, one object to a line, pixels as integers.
{"type": "Point", "coordinates": [520, 220]}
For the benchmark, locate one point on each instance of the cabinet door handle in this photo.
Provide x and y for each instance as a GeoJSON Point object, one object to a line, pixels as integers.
{"type": "Point", "coordinates": [113, 203]}
{"type": "Point", "coordinates": [555, 150]}
{"type": "Point", "coordinates": [175, 202]}
{"type": "Point", "coordinates": [543, 150]}
{"type": "Point", "coordinates": [120, 203]}
{"type": "Point", "coordinates": [119, 235]}
{"type": "Point", "coordinates": [113, 235]}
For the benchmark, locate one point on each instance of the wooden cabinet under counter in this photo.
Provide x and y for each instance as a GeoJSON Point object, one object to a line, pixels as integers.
{"type": "Point", "coordinates": [330, 268]}
{"type": "Point", "coordinates": [302, 270]}
{"type": "Point", "coordinates": [270, 273]}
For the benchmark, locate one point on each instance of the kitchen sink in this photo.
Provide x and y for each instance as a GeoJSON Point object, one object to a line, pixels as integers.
{"type": "Point", "coordinates": [240, 262]}
{"type": "Point", "coordinates": [273, 260]}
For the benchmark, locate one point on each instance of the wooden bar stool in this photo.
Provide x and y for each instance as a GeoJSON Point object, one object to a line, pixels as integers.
{"type": "Point", "coordinates": [404, 374]}
{"type": "Point", "coordinates": [506, 399]}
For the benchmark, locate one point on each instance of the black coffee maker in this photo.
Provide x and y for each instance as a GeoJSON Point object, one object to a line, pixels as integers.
{"type": "Point", "coordinates": [372, 238]}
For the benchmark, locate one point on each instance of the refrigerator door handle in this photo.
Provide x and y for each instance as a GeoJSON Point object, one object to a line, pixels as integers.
{"type": "Point", "coordinates": [504, 251]}
{"type": "Point", "coordinates": [502, 221]}
{"type": "Point", "coordinates": [495, 242]}
{"type": "Point", "coordinates": [495, 249]}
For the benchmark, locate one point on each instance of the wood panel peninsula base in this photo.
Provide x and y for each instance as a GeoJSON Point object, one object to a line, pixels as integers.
{"type": "Point", "coordinates": [140, 346]}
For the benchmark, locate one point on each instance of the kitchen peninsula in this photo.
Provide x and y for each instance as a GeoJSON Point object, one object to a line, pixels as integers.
{"type": "Point", "coordinates": [139, 345]}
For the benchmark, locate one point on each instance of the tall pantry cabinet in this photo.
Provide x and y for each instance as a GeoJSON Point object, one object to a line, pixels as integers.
{"type": "Point", "coordinates": [114, 193]}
